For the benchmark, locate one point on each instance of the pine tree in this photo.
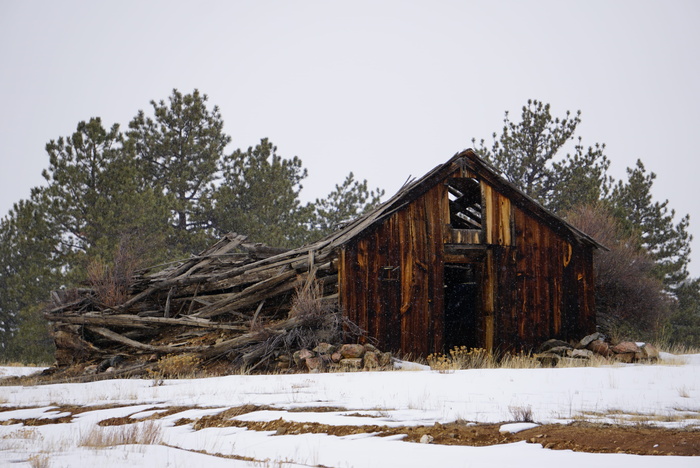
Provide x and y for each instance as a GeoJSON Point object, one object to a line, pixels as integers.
{"type": "Point", "coordinates": [28, 267]}
{"type": "Point", "coordinates": [95, 195]}
{"type": "Point", "coordinates": [653, 224]}
{"type": "Point", "coordinates": [684, 324]}
{"type": "Point", "coordinates": [180, 149]}
{"type": "Point", "coordinates": [347, 201]}
{"type": "Point", "coordinates": [528, 154]}
{"type": "Point", "coordinates": [259, 197]}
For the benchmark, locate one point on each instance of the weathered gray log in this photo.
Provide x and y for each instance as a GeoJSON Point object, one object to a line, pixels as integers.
{"type": "Point", "coordinates": [250, 295]}
{"type": "Point", "coordinates": [109, 334]}
{"type": "Point", "coordinates": [134, 321]}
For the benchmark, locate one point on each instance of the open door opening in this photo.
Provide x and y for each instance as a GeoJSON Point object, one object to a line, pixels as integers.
{"type": "Point", "coordinates": [462, 305]}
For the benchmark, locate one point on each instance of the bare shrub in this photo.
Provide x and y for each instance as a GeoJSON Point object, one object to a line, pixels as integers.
{"type": "Point", "coordinates": [630, 301]}
{"type": "Point", "coordinates": [111, 281]}
{"type": "Point", "coordinates": [521, 413]}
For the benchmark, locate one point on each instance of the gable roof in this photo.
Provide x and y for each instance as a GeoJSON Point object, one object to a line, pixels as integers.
{"type": "Point", "coordinates": [465, 159]}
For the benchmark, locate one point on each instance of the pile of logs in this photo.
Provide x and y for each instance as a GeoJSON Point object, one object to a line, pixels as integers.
{"type": "Point", "coordinates": [236, 302]}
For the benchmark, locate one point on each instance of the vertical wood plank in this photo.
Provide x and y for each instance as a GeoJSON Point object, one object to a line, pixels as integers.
{"type": "Point", "coordinates": [487, 213]}
{"type": "Point", "coordinates": [489, 287]}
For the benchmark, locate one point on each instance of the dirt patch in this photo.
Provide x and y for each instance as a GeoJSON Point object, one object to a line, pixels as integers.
{"type": "Point", "coordinates": [316, 409]}
{"type": "Point", "coordinates": [577, 436]}
{"type": "Point", "coordinates": [580, 437]}
{"type": "Point", "coordinates": [160, 413]}
{"type": "Point", "coordinates": [38, 421]}
{"type": "Point", "coordinates": [587, 437]}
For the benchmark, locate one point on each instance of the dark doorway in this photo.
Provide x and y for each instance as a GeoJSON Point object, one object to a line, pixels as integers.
{"type": "Point", "coordinates": [462, 301]}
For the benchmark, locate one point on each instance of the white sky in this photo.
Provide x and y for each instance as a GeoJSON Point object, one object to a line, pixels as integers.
{"type": "Point", "coordinates": [385, 89]}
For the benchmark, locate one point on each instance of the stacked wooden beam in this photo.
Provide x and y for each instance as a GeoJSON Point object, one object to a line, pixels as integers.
{"type": "Point", "coordinates": [215, 305]}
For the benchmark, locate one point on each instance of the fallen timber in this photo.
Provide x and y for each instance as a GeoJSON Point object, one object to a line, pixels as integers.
{"type": "Point", "coordinates": [227, 304]}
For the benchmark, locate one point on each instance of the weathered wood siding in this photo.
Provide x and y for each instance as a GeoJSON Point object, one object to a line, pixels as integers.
{"type": "Point", "coordinates": [535, 284]}
{"type": "Point", "coordinates": [544, 287]}
{"type": "Point", "coordinates": [391, 278]}
{"type": "Point", "coordinates": [498, 216]}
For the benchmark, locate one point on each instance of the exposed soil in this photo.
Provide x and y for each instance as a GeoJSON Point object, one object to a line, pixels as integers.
{"type": "Point", "coordinates": [577, 436]}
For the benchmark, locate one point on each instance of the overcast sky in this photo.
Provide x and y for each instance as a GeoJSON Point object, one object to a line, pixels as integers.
{"type": "Point", "coordinates": [386, 89]}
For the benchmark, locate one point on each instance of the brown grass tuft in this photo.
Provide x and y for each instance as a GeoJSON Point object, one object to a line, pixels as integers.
{"type": "Point", "coordinates": [147, 433]}
{"type": "Point", "coordinates": [176, 366]}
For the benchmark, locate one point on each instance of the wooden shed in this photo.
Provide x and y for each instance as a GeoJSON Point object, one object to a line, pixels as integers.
{"type": "Point", "coordinates": [462, 257]}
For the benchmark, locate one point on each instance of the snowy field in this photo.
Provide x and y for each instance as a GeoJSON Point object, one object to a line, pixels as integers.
{"type": "Point", "coordinates": [665, 394]}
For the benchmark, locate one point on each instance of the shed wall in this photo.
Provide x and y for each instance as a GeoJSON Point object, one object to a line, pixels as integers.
{"type": "Point", "coordinates": [391, 278]}
{"type": "Point", "coordinates": [536, 284]}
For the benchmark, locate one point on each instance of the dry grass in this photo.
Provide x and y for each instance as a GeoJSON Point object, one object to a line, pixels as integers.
{"type": "Point", "coordinates": [24, 433]}
{"type": "Point", "coordinates": [626, 418]}
{"type": "Point", "coordinates": [176, 366]}
{"type": "Point", "coordinates": [39, 461]}
{"type": "Point", "coordinates": [16, 364]}
{"type": "Point", "coordinates": [595, 361]}
{"type": "Point", "coordinates": [147, 433]}
{"type": "Point", "coordinates": [678, 349]}
{"type": "Point", "coordinates": [461, 357]}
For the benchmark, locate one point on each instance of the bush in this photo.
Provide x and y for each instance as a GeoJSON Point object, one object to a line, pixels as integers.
{"type": "Point", "coordinates": [177, 366]}
{"type": "Point", "coordinates": [630, 301]}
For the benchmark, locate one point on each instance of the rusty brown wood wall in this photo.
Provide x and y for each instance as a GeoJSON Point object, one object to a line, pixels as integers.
{"type": "Point", "coordinates": [545, 287]}
{"type": "Point", "coordinates": [535, 284]}
{"type": "Point", "coordinates": [391, 278]}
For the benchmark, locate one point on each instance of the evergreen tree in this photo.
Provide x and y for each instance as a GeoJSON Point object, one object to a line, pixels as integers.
{"type": "Point", "coordinates": [95, 196]}
{"type": "Point", "coordinates": [259, 197]}
{"type": "Point", "coordinates": [31, 343]}
{"type": "Point", "coordinates": [348, 201]}
{"type": "Point", "coordinates": [28, 268]}
{"type": "Point", "coordinates": [76, 176]}
{"type": "Point", "coordinates": [652, 223]}
{"type": "Point", "coordinates": [528, 154]}
{"type": "Point", "coordinates": [580, 178]}
{"type": "Point", "coordinates": [180, 149]}
{"type": "Point", "coordinates": [683, 325]}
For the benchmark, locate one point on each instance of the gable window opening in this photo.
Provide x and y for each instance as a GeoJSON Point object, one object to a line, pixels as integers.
{"type": "Point", "coordinates": [464, 194]}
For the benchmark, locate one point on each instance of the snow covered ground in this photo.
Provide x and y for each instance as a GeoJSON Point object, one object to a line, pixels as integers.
{"type": "Point", "coordinates": [663, 394]}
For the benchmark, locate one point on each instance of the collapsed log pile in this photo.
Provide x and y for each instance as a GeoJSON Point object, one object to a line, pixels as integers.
{"type": "Point", "coordinates": [237, 303]}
